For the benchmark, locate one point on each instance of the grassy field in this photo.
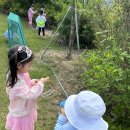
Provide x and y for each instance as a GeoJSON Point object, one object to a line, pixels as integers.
{"type": "Point", "coordinates": [68, 71]}
{"type": "Point", "coordinates": [47, 105]}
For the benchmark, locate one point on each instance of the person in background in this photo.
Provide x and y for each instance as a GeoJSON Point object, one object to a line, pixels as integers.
{"type": "Point", "coordinates": [40, 20]}
{"type": "Point", "coordinates": [42, 8]}
{"type": "Point", "coordinates": [82, 112]}
{"type": "Point", "coordinates": [31, 12]}
{"type": "Point", "coordinates": [22, 91]}
{"type": "Point", "coordinates": [6, 34]}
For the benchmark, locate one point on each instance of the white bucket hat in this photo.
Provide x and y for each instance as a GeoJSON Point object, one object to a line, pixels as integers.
{"type": "Point", "coordinates": [85, 110]}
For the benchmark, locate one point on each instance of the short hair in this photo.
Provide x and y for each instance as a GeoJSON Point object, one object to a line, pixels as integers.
{"type": "Point", "coordinates": [32, 5]}
{"type": "Point", "coordinates": [41, 12]}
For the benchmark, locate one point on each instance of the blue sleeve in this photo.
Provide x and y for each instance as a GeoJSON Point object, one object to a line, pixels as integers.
{"type": "Point", "coordinates": [63, 124]}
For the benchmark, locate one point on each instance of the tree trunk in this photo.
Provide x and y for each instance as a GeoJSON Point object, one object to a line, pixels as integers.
{"type": "Point", "coordinates": [72, 32]}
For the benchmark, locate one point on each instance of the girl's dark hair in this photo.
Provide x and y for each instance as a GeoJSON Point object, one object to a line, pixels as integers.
{"type": "Point", "coordinates": [15, 57]}
{"type": "Point", "coordinates": [41, 12]}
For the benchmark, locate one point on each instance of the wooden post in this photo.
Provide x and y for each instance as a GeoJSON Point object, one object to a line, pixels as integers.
{"type": "Point", "coordinates": [72, 32]}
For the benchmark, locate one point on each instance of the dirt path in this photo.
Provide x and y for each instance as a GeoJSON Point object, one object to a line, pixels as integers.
{"type": "Point", "coordinates": [68, 71]}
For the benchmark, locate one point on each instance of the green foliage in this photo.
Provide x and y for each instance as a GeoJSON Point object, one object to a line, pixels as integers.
{"type": "Point", "coordinates": [107, 72]}
{"type": "Point", "coordinates": [56, 12]}
{"type": "Point", "coordinates": [86, 33]}
{"type": "Point", "coordinates": [54, 8]}
{"type": "Point", "coordinates": [64, 31]}
{"type": "Point", "coordinates": [5, 5]}
{"type": "Point", "coordinates": [108, 18]}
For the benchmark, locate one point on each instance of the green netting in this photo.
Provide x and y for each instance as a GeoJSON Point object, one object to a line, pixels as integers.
{"type": "Point", "coordinates": [15, 32]}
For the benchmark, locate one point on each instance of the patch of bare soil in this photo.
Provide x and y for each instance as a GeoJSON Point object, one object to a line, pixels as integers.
{"type": "Point", "coordinates": [68, 71]}
{"type": "Point", "coordinates": [48, 33]}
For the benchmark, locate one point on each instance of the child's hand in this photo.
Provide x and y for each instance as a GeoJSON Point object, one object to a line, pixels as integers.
{"type": "Point", "coordinates": [36, 80]}
{"type": "Point", "coordinates": [61, 110]}
{"type": "Point", "coordinates": [61, 105]}
{"type": "Point", "coordinates": [44, 80]}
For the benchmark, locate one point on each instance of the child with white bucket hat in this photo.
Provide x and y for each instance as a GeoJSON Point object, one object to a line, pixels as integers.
{"type": "Point", "coordinates": [82, 112]}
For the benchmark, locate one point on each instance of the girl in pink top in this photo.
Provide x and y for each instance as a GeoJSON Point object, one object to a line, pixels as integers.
{"type": "Point", "coordinates": [31, 12]}
{"type": "Point", "coordinates": [22, 90]}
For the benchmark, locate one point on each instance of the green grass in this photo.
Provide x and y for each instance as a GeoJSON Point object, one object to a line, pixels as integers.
{"type": "Point", "coordinates": [47, 106]}
{"type": "Point", "coordinates": [3, 69]}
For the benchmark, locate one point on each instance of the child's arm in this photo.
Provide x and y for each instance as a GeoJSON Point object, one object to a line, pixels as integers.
{"type": "Point", "coordinates": [34, 81]}
{"type": "Point", "coordinates": [21, 89]}
{"type": "Point", "coordinates": [60, 122]}
{"type": "Point", "coordinates": [34, 11]}
{"type": "Point", "coordinates": [44, 18]}
{"type": "Point", "coordinates": [63, 124]}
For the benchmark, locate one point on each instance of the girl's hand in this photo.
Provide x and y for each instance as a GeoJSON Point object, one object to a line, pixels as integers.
{"type": "Point", "coordinates": [36, 80]}
{"type": "Point", "coordinates": [44, 80]}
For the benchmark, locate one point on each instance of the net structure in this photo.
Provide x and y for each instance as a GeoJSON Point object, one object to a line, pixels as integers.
{"type": "Point", "coordinates": [15, 31]}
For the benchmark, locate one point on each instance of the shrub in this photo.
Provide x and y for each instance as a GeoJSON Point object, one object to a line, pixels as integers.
{"type": "Point", "coordinates": [5, 6]}
{"type": "Point", "coordinates": [86, 33]}
{"type": "Point", "coordinates": [108, 72]}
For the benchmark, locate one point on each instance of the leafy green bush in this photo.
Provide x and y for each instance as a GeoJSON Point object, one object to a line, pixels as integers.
{"type": "Point", "coordinates": [108, 73]}
{"type": "Point", "coordinates": [64, 31]}
{"type": "Point", "coordinates": [5, 6]}
{"type": "Point", "coordinates": [86, 33]}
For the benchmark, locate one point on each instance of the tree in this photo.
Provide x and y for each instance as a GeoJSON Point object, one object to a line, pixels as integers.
{"type": "Point", "coordinates": [72, 32]}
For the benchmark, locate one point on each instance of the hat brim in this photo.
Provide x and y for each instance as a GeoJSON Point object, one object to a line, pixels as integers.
{"type": "Point", "coordinates": [80, 123]}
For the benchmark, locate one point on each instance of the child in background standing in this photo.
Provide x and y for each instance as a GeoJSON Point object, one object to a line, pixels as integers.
{"type": "Point", "coordinates": [22, 90]}
{"type": "Point", "coordinates": [82, 112]}
{"type": "Point", "coordinates": [31, 12]}
{"type": "Point", "coordinates": [42, 8]}
{"type": "Point", "coordinates": [6, 34]}
{"type": "Point", "coordinates": [40, 20]}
